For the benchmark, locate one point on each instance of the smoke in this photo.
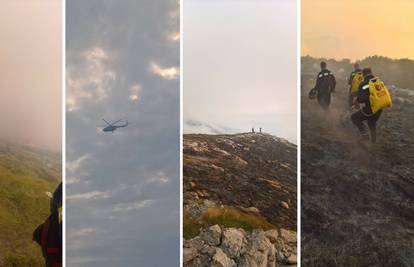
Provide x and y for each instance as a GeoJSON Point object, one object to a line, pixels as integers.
{"type": "Point", "coordinates": [241, 73]}
{"type": "Point", "coordinates": [31, 66]}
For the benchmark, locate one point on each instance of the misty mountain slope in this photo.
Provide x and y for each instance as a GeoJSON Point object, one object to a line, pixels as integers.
{"type": "Point", "coordinates": [242, 170]}
{"type": "Point", "coordinates": [25, 175]}
{"type": "Point", "coordinates": [357, 199]}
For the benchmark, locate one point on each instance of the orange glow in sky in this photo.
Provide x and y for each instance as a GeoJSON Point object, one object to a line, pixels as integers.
{"type": "Point", "coordinates": [356, 29]}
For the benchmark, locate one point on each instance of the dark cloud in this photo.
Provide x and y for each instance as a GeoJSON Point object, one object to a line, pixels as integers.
{"type": "Point", "coordinates": [123, 206]}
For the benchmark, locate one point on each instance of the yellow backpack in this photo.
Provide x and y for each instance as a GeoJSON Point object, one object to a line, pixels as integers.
{"type": "Point", "coordinates": [357, 79]}
{"type": "Point", "coordinates": [379, 96]}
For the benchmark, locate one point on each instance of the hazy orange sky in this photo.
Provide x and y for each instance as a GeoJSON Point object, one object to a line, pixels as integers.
{"type": "Point", "coordinates": [355, 29]}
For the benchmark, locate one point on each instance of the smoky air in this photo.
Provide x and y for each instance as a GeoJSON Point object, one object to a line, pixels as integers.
{"type": "Point", "coordinates": [31, 74]}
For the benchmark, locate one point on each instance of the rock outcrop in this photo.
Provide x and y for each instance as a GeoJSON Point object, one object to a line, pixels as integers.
{"type": "Point", "coordinates": [247, 180]}
{"type": "Point", "coordinates": [237, 248]}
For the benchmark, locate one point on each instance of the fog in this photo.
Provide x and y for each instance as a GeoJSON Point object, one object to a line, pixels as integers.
{"type": "Point", "coordinates": [240, 66]}
{"type": "Point", "coordinates": [30, 67]}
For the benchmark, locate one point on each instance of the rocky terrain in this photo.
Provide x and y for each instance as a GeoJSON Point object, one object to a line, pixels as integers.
{"type": "Point", "coordinates": [357, 198]}
{"type": "Point", "coordinates": [243, 183]}
{"type": "Point", "coordinates": [230, 247]}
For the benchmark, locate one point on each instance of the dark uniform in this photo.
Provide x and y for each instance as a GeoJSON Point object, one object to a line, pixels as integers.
{"type": "Point", "coordinates": [325, 85]}
{"type": "Point", "coordinates": [365, 114]}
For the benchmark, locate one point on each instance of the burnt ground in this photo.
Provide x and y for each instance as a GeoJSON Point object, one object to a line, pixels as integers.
{"type": "Point", "coordinates": [357, 199]}
{"type": "Point", "coordinates": [243, 170]}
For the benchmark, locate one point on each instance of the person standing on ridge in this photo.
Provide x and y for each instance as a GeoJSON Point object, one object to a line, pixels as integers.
{"type": "Point", "coordinates": [374, 96]}
{"type": "Point", "coordinates": [325, 85]}
{"type": "Point", "coordinates": [355, 79]}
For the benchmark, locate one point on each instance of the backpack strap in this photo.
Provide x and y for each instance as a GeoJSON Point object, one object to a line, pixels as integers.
{"type": "Point", "coordinates": [375, 79]}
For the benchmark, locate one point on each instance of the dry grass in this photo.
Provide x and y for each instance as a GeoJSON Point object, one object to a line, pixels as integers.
{"type": "Point", "coordinates": [225, 217]}
{"type": "Point", "coordinates": [191, 228]}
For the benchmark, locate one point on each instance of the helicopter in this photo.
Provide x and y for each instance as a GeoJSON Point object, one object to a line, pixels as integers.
{"type": "Point", "coordinates": [111, 127]}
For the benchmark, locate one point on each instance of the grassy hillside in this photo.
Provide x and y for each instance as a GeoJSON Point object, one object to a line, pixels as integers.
{"type": "Point", "coordinates": [25, 175]}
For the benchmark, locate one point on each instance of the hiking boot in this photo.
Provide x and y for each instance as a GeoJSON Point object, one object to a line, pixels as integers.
{"type": "Point", "coordinates": [364, 136]}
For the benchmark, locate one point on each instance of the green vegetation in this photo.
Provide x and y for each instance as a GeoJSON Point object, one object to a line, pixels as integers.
{"type": "Point", "coordinates": [191, 227]}
{"type": "Point", "coordinates": [25, 175]}
{"type": "Point", "coordinates": [225, 217]}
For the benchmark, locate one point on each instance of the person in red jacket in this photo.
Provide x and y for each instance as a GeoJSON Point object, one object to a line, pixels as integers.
{"type": "Point", "coordinates": [49, 234]}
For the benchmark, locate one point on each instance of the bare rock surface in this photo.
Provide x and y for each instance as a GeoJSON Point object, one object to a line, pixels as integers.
{"type": "Point", "coordinates": [252, 175]}
{"type": "Point", "coordinates": [241, 249]}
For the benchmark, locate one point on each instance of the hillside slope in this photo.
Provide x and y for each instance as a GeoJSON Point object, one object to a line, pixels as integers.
{"type": "Point", "coordinates": [242, 181]}
{"type": "Point", "coordinates": [25, 175]}
{"type": "Point", "coordinates": [357, 199]}
{"type": "Point", "coordinates": [244, 170]}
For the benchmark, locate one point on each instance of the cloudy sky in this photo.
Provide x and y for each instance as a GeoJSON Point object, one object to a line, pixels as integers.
{"type": "Point", "coordinates": [122, 187]}
{"type": "Point", "coordinates": [356, 29]}
{"type": "Point", "coordinates": [31, 72]}
{"type": "Point", "coordinates": [240, 66]}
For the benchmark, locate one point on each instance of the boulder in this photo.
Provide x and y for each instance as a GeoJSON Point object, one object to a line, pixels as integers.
{"type": "Point", "coordinates": [247, 261]}
{"type": "Point", "coordinates": [284, 205]}
{"type": "Point", "coordinates": [233, 242]}
{"type": "Point", "coordinates": [289, 236]}
{"type": "Point", "coordinates": [208, 250]}
{"type": "Point", "coordinates": [251, 210]}
{"type": "Point", "coordinates": [220, 259]}
{"type": "Point", "coordinates": [259, 241]}
{"type": "Point", "coordinates": [260, 251]}
{"type": "Point", "coordinates": [189, 254]}
{"type": "Point", "coordinates": [195, 242]}
{"type": "Point", "coordinates": [216, 247]}
{"type": "Point", "coordinates": [292, 259]}
{"type": "Point", "coordinates": [212, 235]}
{"type": "Point", "coordinates": [200, 261]}
{"type": "Point", "coordinates": [272, 235]}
